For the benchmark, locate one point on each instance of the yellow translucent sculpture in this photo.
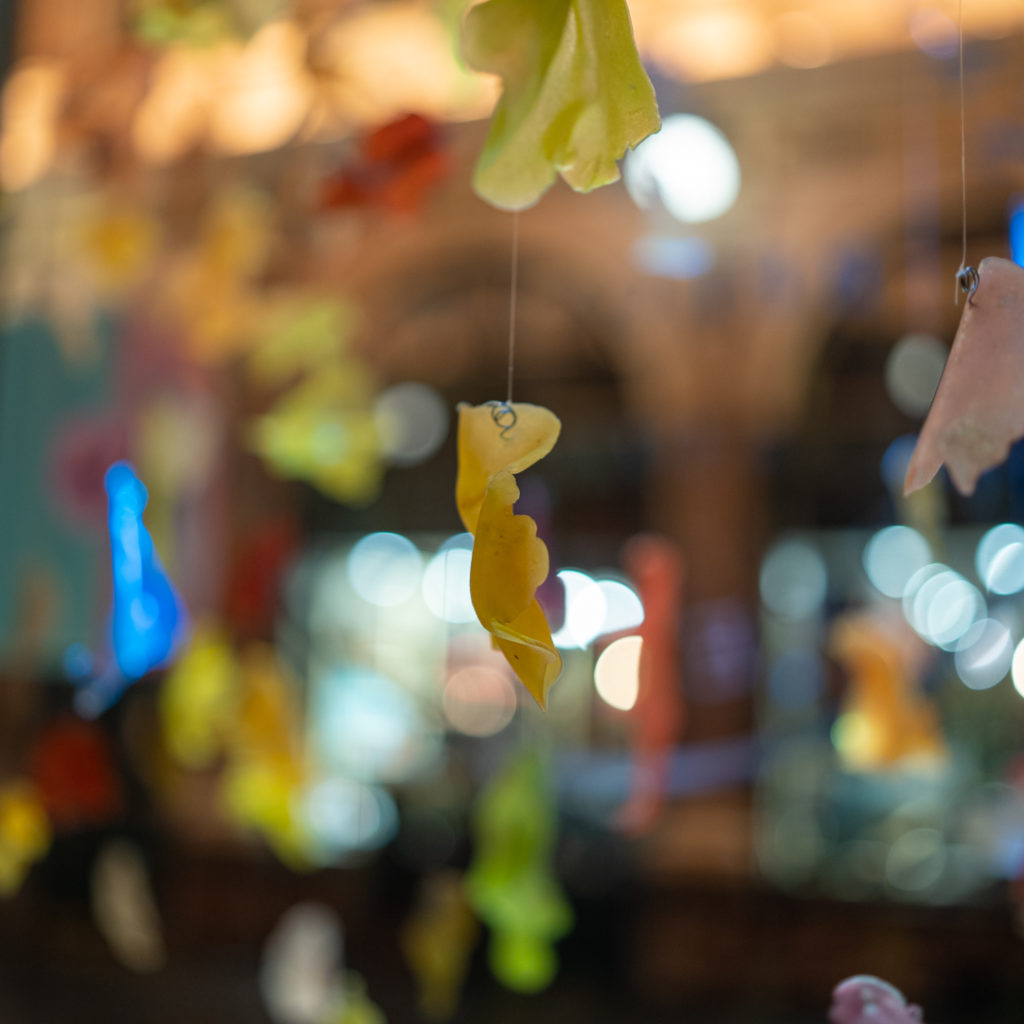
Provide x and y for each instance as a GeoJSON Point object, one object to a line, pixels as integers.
{"type": "Point", "coordinates": [575, 95]}
{"type": "Point", "coordinates": [487, 446]}
{"type": "Point", "coordinates": [24, 834]}
{"type": "Point", "coordinates": [267, 772]}
{"type": "Point", "coordinates": [323, 431]}
{"type": "Point", "coordinates": [212, 289]}
{"type": "Point", "coordinates": [509, 561]}
{"type": "Point", "coordinates": [886, 721]}
{"type": "Point", "coordinates": [199, 699]}
{"type": "Point", "coordinates": [118, 242]}
{"type": "Point", "coordinates": [438, 940]}
{"type": "Point", "coordinates": [302, 334]}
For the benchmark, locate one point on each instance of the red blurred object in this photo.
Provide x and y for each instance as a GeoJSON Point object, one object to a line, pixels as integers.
{"type": "Point", "coordinates": [73, 769]}
{"type": "Point", "coordinates": [655, 565]}
{"type": "Point", "coordinates": [398, 164]}
{"type": "Point", "coordinates": [254, 581]}
{"type": "Point", "coordinates": [83, 450]}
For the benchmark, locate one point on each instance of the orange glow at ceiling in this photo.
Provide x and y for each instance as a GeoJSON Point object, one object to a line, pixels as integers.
{"type": "Point", "coordinates": [30, 106]}
{"type": "Point", "coordinates": [382, 59]}
{"type": "Point", "coordinates": [720, 42]}
{"type": "Point", "coordinates": [172, 118]}
{"type": "Point", "coordinates": [703, 40]}
{"type": "Point", "coordinates": [802, 40]}
{"type": "Point", "coordinates": [266, 92]}
{"type": "Point", "coordinates": [389, 58]}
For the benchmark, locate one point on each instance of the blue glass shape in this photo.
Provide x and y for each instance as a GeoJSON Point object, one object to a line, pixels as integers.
{"type": "Point", "coordinates": [148, 619]}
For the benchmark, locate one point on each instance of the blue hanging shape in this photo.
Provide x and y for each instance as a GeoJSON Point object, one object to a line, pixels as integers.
{"type": "Point", "coordinates": [148, 619]}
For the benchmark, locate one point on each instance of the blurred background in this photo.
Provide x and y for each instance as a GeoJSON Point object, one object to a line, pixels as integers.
{"type": "Point", "coordinates": [242, 263]}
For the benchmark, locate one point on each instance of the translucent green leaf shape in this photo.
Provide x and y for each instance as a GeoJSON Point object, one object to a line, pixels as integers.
{"type": "Point", "coordinates": [575, 95]}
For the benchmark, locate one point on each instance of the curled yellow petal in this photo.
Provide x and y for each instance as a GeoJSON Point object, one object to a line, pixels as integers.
{"type": "Point", "coordinates": [509, 564]}
{"type": "Point", "coordinates": [488, 445]}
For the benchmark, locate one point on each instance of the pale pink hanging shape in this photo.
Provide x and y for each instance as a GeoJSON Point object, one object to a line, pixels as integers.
{"type": "Point", "coordinates": [865, 999]}
{"type": "Point", "coordinates": [978, 409]}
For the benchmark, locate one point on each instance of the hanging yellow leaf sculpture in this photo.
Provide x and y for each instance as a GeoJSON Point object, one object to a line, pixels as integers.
{"type": "Point", "coordinates": [575, 95]}
{"type": "Point", "coordinates": [509, 560]}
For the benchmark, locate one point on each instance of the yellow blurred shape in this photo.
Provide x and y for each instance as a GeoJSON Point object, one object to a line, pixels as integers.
{"type": "Point", "coordinates": [210, 290]}
{"type": "Point", "coordinates": [30, 106]}
{"type": "Point", "coordinates": [437, 941]}
{"type": "Point", "coordinates": [509, 563]}
{"type": "Point", "coordinates": [118, 243]}
{"type": "Point", "coordinates": [302, 334]}
{"type": "Point", "coordinates": [324, 431]}
{"type": "Point", "coordinates": [264, 794]}
{"type": "Point", "coordinates": [885, 721]}
{"type": "Point", "coordinates": [237, 234]}
{"type": "Point", "coordinates": [200, 698]}
{"type": "Point", "coordinates": [24, 833]}
{"type": "Point", "coordinates": [354, 1005]}
{"type": "Point", "coordinates": [266, 777]}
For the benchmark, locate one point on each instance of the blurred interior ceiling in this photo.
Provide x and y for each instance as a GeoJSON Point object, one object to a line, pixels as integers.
{"type": "Point", "coordinates": [844, 118]}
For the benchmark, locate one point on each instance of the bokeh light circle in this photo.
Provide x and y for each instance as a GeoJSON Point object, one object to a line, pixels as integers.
{"type": "Point", "coordinates": [999, 559]}
{"type": "Point", "coordinates": [688, 165]}
{"type": "Point", "coordinates": [585, 610]}
{"type": "Point", "coordinates": [1017, 668]}
{"type": "Point", "coordinates": [617, 673]}
{"type": "Point", "coordinates": [941, 605]}
{"type": "Point", "coordinates": [446, 581]}
{"type": "Point", "coordinates": [412, 422]}
{"type": "Point", "coordinates": [346, 816]}
{"type": "Point", "coordinates": [385, 569]}
{"type": "Point", "coordinates": [479, 700]}
{"type": "Point", "coordinates": [794, 580]}
{"type": "Point", "coordinates": [892, 556]}
{"type": "Point", "coordinates": [913, 371]}
{"type": "Point", "coordinates": [623, 609]}
{"type": "Point", "coordinates": [984, 654]}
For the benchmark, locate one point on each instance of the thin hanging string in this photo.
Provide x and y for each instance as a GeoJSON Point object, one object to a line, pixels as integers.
{"type": "Point", "coordinates": [966, 277]}
{"type": "Point", "coordinates": [512, 303]}
{"type": "Point", "coordinates": [963, 139]}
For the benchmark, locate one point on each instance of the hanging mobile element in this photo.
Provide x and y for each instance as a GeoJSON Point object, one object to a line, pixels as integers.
{"type": "Point", "coordinates": [438, 939]}
{"type": "Point", "coordinates": [510, 883]}
{"type": "Point", "coordinates": [977, 412]}
{"type": "Point", "coordinates": [497, 440]}
{"type": "Point", "coordinates": [24, 833]}
{"type": "Point", "coordinates": [148, 619]}
{"type": "Point", "coordinates": [575, 95]}
{"type": "Point", "coordinates": [886, 722]}
{"type": "Point", "coordinates": [655, 564]}
{"type": "Point", "coordinates": [864, 998]}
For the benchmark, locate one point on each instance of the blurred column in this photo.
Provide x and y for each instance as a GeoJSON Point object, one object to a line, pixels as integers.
{"type": "Point", "coordinates": [706, 493]}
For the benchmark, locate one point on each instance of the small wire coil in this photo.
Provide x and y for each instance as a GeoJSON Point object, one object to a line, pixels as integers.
{"type": "Point", "coordinates": [504, 417]}
{"type": "Point", "coordinates": [968, 279]}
